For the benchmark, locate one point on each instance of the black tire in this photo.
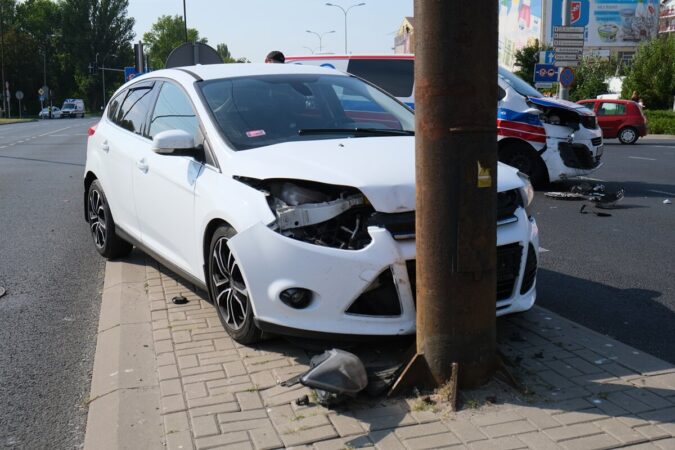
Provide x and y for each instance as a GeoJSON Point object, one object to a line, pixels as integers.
{"type": "Point", "coordinates": [228, 290]}
{"type": "Point", "coordinates": [102, 225]}
{"type": "Point", "coordinates": [526, 160]}
{"type": "Point", "coordinates": [628, 135]}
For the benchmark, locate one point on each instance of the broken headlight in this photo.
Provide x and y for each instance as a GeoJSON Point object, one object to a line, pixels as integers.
{"type": "Point", "coordinates": [321, 214]}
{"type": "Point", "coordinates": [526, 192]}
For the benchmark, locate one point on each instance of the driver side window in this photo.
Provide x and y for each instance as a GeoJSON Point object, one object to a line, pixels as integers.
{"type": "Point", "coordinates": [173, 111]}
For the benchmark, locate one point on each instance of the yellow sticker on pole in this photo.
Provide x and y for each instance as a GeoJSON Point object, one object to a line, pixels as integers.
{"type": "Point", "coordinates": [484, 176]}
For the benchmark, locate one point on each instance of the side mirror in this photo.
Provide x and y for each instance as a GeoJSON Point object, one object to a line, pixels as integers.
{"type": "Point", "coordinates": [169, 141]}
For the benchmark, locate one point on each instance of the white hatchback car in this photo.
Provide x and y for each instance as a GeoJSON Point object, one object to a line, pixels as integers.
{"type": "Point", "coordinates": [287, 192]}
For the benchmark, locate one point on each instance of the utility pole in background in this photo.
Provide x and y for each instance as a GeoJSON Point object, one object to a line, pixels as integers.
{"type": "Point", "coordinates": [185, 20]}
{"type": "Point", "coordinates": [2, 60]}
{"type": "Point", "coordinates": [566, 20]}
{"type": "Point", "coordinates": [456, 172]}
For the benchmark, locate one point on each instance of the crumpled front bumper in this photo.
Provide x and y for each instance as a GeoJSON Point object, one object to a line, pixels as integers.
{"type": "Point", "coordinates": [271, 263]}
{"type": "Point", "coordinates": [579, 156]}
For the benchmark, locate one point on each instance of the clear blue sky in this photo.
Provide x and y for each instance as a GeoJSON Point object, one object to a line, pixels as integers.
{"type": "Point", "coordinates": [251, 28]}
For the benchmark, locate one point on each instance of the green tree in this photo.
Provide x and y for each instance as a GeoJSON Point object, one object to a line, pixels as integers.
{"type": "Point", "coordinates": [93, 29]}
{"type": "Point", "coordinates": [652, 73]}
{"type": "Point", "coordinates": [227, 57]}
{"type": "Point", "coordinates": [591, 77]}
{"type": "Point", "coordinates": [526, 58]}
{"type": "Point", "coordinates": [165, 35]}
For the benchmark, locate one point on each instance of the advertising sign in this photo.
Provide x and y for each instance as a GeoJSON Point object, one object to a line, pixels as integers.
{"type": "Point", "coordinates": [609, 23]}
{"type": "Point", "coordinates": [519, 24]}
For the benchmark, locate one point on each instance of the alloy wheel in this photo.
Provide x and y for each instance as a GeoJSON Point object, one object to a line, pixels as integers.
{"type": "Point", "coordinates": [628, 135]}
{"type": "Point", "coordinates": [97, 218]}
{"type": "Point", "coordinates": [230, 293]}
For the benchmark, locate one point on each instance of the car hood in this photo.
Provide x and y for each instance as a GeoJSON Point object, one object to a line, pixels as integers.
{"type": "Point", "coordinates": [383, 168]}
{"type": "Point", "coordinates": [557, 103]}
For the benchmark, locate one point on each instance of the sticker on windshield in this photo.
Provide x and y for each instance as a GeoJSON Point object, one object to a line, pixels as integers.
{"type": "Point", "coordinates": [255, 133]}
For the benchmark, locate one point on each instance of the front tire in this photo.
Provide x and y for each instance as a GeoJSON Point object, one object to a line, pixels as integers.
{"type": "Point", "coordinates": [527, 161]}
{"type": "Point", "coordinates": [228, 290]}
{"type": "Point", "coordinates": [102, 225]}
{"type": "Point", "coordinates": [628, 135]}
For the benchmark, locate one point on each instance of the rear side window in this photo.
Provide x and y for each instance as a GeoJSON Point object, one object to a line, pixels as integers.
{"type": "Point", "coordinates": [612, 109]}
{"type": "Point", "coordinates": [114, 106]}
{"type": "Point", "coordinates": [393, 75]}
{"type": "Point", "coordinates": [134, 109]}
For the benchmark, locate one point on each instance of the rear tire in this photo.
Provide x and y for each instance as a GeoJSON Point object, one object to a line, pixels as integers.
{"type": "Point", "coordinates": [628, 135]}
{"type": "Point", "coordinates": [228, 290]}
{"type": "Point", "coordinates": [102, 225]}
{"type": "Point", "coordinates": [526, 160]}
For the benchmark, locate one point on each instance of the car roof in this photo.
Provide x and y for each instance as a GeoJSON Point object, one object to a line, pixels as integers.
{"type": "Point", "coordinates": [216, 71]}
{"type": "Point", "coordinates": [344, 56]}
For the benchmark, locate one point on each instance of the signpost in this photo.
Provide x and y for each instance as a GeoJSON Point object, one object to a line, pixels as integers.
{"type": "Point", "coordinates": [569, 45]}
{"type": "Point", "coordinates": [19, 97]}
{"type": "Point", "coordinates": [545, 75]}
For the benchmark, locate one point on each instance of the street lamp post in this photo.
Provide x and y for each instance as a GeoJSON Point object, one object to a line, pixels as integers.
{"type": "Point", "coordinates": [345, 11]}
{"type": "Point", "coordinates": [320, 36]}
{"type": "Point", "coordinates": [2, 57]}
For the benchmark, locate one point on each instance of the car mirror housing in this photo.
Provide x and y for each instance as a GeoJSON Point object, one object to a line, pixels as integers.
{"type": "Point", "coordinates": [169, 141]}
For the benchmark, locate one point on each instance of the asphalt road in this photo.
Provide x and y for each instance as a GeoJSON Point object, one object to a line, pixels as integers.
{"type": "Point", "coordinates": [616, 274]}
{"type": "Point", "coordinates": [53, 277]}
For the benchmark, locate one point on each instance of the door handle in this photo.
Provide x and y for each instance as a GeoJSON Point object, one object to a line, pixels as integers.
{"type": "Point", "coordinates": [142, 165]}
{"type": "Point", "coordinates": [105, 147]}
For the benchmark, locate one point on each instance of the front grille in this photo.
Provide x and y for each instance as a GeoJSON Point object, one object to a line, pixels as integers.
{"type": "Point", "coordinates": [596, 141]}
{"type": "Point", "coordinates": [589, 122]}
{"type": "Point", "coordinates": [530, 273]}
{"type": "Point", "coordinates": [508, 267]}
{"type": "Point", "coordinates": [380, 299]}
{"type": "Point", "coordinates": [577, 156]}
{"type": "Point", "coordinates": [412, 277]}
{"type": "Point", "coordinates": [400, 225]}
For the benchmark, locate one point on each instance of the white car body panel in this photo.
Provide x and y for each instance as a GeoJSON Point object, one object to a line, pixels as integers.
{"type": "Point", "coordinates": [167, 202]}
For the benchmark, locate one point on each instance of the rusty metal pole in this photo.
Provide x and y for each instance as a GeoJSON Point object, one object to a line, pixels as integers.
{"type": "Point", "coordinates": [456, 169]}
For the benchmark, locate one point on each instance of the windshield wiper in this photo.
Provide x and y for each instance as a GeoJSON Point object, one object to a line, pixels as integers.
{"type": "Point", "coordinates": [368, 131]}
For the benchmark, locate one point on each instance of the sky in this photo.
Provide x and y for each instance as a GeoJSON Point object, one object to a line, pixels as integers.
{"type": "Point", "coordinates": [252, 28]}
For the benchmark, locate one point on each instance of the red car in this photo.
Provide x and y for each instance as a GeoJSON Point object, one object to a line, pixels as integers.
{"type": "Point", "coordinates": [622, 119]}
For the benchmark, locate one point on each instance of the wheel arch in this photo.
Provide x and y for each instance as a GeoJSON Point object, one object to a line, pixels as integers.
{"type": "Point", "coordinates": [512, 143]}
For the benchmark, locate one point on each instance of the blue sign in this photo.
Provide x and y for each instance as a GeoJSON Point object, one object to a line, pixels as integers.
{"type": "Point", "coordinates": [130, 73]}
{"type": "Point", "coordinates": [545, 73]}
{"type": "Point", "coordinates": [548, 57]}
{"type": "Point", "coordinates": [567, 77]}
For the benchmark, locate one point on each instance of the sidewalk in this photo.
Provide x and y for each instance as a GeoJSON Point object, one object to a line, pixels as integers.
{"type": "Point", "coordinates": [168, 376]}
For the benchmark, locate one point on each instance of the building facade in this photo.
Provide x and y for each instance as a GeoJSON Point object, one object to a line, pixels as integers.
{"type": "Point", "coordinates": [667, 17]}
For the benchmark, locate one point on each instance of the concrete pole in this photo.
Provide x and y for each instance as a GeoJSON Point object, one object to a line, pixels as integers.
{"type": "Point", "coordinates": [566, 19]}
{"type": "Point", "coordinates": [456, 171]}
{"type": "Point", "coordinates": [2, 57]}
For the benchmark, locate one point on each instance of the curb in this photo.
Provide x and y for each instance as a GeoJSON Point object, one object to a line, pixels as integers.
{"type": "Point", "coordinates": [124, 398]}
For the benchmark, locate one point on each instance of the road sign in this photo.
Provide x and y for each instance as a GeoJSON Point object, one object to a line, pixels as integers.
{"type": "Point", "coordinates": [543, 85]}
{"type": "Point", "coordinates": [547, 57]}
{"type": "Point", "coordinates": [41, 92]}
{"type": "Point", "coordinates": [130, 73]}
{"type": "Point", "coordinates": [566, 29]}
{"type": "Point", "coordinates": [568, 43]}
{"type": "Point", "coordinates": [568, 57]}
{"type": "Point", "coordinates": [19, 95]}
{"type": "Point", "coordinates": [562, 50]}
{"type": "Point", "coordinates": [545, 73]}
{"type": "Point", "coordinates": [566, 77]}
{"type": "Point", "coordinates": [42, 98]}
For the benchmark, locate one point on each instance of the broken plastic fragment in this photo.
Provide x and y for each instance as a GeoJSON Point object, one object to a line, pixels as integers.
{"type": "Point", "coordinates": [667, 201]}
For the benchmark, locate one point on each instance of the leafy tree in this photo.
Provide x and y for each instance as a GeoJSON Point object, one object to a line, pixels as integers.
{"type": "Point", "coordinates": [165, 35]}
{"type": "Point", "coordinates": [91, 29]}
{"type": "Point", "coordinates": [591, 78]}
{"type": "Point", "coordinates": [224, 53]}
{"type": "Point", "coordinates": [526, 58]}
{"type": "Point", "coordinates": [652, 73]}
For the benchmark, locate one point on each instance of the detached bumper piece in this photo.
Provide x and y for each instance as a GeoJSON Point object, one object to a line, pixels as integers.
{"type": "Point", "coordinates": [577, 156]}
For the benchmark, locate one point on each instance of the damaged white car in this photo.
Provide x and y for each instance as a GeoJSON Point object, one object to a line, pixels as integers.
{"type": "Point", "coordinates": [287, 192]}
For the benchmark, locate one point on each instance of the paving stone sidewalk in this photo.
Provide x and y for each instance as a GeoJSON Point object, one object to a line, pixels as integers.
{"type": "Point", "coordinates": [584, 391]}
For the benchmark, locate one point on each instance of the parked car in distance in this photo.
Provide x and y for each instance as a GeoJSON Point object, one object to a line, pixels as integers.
{"type": "Point", "coordinates": [73, 107]}
{"type": "Point", "coordinates": [287, 192]}
{"type": "Point", "coordinates": [44, 113]}
{"type": "Point", "coordinates": [622, 119]}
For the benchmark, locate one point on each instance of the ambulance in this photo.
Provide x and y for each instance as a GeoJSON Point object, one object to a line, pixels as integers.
{"type": "Point", "coordinates": [548, 139]}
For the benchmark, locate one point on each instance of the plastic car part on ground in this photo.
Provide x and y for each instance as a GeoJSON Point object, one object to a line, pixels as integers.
{"type": "Point", "coordinates": [596, 194]}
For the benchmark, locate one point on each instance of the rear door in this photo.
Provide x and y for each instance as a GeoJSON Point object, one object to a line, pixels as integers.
{"type": "Point", "coordinates": [611, 116]}
{"type": "Point", "coordinates": [165, 184]}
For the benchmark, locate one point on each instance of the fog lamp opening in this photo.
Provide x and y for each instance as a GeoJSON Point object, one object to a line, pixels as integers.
{"type": "Point", "coordinates": [297, 298]}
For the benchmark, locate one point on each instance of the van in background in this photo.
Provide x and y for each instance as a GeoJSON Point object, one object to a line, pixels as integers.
{"type": "Point", "coordinates": [73, 107]}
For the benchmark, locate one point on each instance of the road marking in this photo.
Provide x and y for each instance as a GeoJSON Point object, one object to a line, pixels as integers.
{"type": "Point", "coordinates": [55, 131]}
{"type": "Point", "coordinates": [640, 157]}
{"type": "Point", "coordinates": [661, 192]}
{"type": "Point", "coordinates": [543, 250]}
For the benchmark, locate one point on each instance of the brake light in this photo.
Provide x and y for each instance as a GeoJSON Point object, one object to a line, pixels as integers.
{"type": "Point", "coordinates": [92, 130]}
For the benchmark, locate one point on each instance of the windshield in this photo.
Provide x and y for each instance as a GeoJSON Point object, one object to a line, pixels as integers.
{"type": "Point", "coordinates": [69, 106]}
{"type": "Point", "coordinates": [262, 110]}
{"type": "Point", "coordinates": [518, 84]}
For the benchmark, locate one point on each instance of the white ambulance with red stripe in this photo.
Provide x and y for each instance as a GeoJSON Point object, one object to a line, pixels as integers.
{"type": "Point", "coordinates": [549, 139]}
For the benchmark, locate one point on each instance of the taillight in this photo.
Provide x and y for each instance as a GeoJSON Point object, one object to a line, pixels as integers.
{"type": "Point", "coordinates": [92, 130]}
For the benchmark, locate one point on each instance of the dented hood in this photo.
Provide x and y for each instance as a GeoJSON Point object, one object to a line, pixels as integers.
{"type": "Point", "coordinates": [558, 103]}
{"type": "Point", "coordinates": [383, 168]}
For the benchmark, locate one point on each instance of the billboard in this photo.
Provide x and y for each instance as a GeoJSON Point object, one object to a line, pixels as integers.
{"type": "Point", "coordinates": [609, 23]}
{"type": "Point", "coordinates": [519, 23]}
